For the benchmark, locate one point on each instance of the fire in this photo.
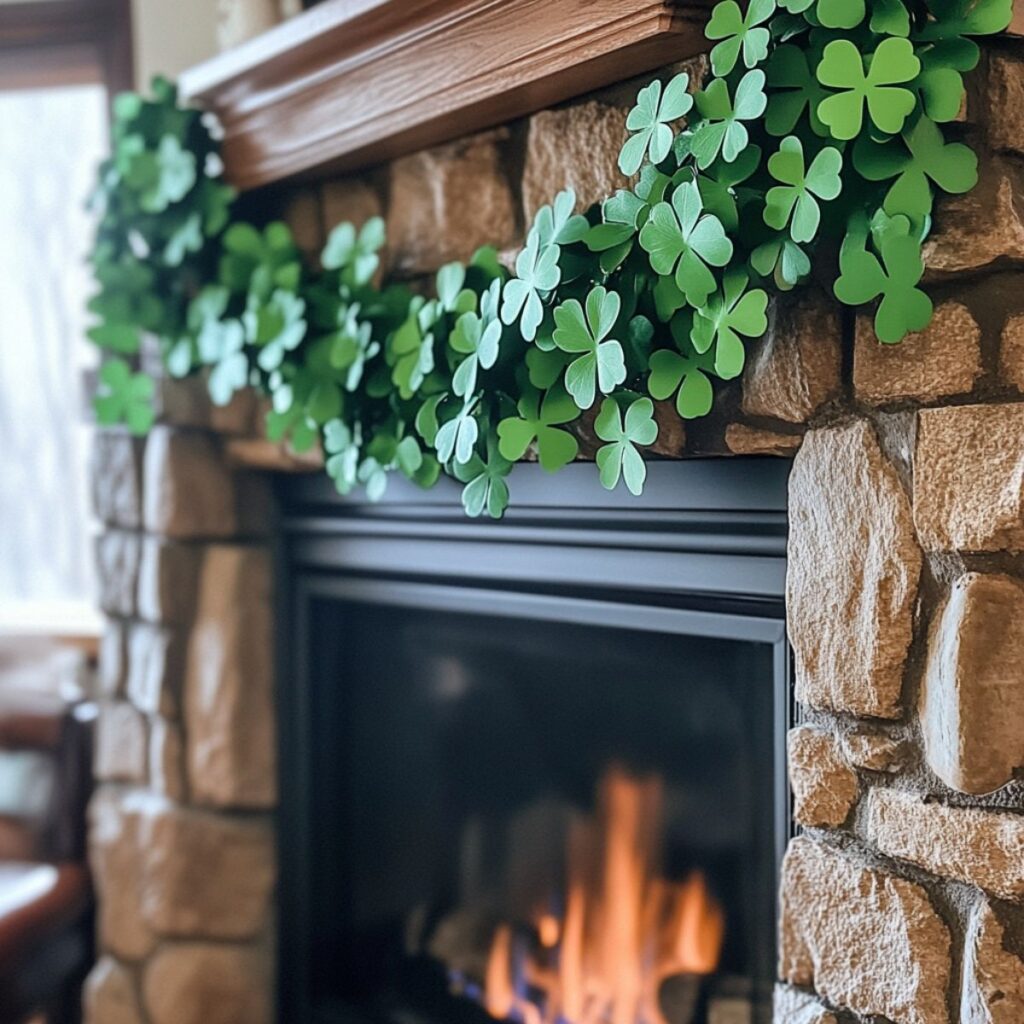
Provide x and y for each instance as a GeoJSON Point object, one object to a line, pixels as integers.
{"type": "Point", "coordinates": [625, 928]}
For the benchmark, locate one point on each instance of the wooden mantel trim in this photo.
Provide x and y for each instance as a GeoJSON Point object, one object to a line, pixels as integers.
{"type": "Point", "coordinates": [350, 83]}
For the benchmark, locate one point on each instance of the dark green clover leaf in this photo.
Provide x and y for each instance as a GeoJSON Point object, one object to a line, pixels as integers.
{"type": "Point", "coordinates": [680, 238]}
{"type": "Point", "coordinates": [738, 33]}
{"type": "Point", "coordinates": [537, 423]}
{"type": "Point", "coordinates": [941, 86]}
{"type": "Point", "coordinates": [953, 20]}
{"type": "Point", "coordinates": [477, 338]}
{"type": "Point", "coordinates": [794, 90]}
{"type": "Point", "coordinates": [411, 348]}
{"type": "Point", "coordinates": [795, 201]}
{"type": "Point", "coordinates": [457, 438]}
{"type": "Point", "coordinates": [294, 426]}
{"type": "Point", "coordinates": [650, 120]}
{"type": "Point", "coordinates": [600, 364]}
{"type": "Point", "coordinates": [117, 337]}
{"type": "Point", "coordinates": [842, 67]}
{"type": "Point", "coordinates": [841, 13]}
{"type": "Point", "coordinates": [722, 130]}
{"type": "Point", "coordinates": [615, 236]}
{"type": "Point", "coordinates": [355, 255]}
{"type": "Point", "coordinates": [277, 326]}
{"type": "Point", "coordinates": [731, 313]}
{"type": "Point", "coordinates": [341, 444]}
{"type": "Point", "coordinates": [556, 224]}
{"type": "Point", "coordinates": [124, 397]}
{"type": "Point", "coordinates": [686, 377]}
{"type": "Point", "coordinates": [486, 485]}
{"type": "Point", "coordinates": [923, 155]}
{"type": "Point", "coordinates": [890, 18]}
{"type": "Point", "coordinates": [620, 457]}
{"type": "Point", "coordinates": [782, 260]}
{"type": "Point", "coordinates": [537, 274]}
{"type": "Point", "coordinates": [904, 307]}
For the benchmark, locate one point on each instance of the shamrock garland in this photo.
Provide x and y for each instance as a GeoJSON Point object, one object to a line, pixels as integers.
{"type": "Point", "coordinates": [823, 119]}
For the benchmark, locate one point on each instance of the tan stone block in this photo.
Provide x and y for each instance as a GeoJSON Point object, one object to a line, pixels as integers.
{"type": "Point", "coordinates": [229, 714]}
{"type": "Point", "coordinates": [977, 229]}
{"type": "Point", "coordinates": [1004, 94]}
{"type": "Point", "coordinates": [1011, 353]}
{"type": "Point", "coordinates": [206, 983]}
{"type": "Point", "coordinates": [351, 200]}
{"type": "Point", "coordinates": [110, 996]}
{"type": "Point", "coordinates": [741, 439]}
{"type": "Point", "coordinates": [117, 571]}
{"type": "Point", "coordinates": [116, 863]}
{"type": "Point", "coordinates": [448, 201]}
{"type": "Point", "coordinates": [574, 147]}
{"type": "Point", "coordinates": [993, 980]}
{"type": "Point", "coordinates": [972, 701]}
{"type": "Point", "coordinates": [206, 875]}
{"type": "Point", "coordinates": [793, 1007]}
{"type": "Point", "coordinates": [120, 745]}
{"type": "Point", "coordinates": [942, 360]}
{"type": "Point", "coordinates": [865, 940]}
{"type": "Point", "coordinates": [873, 751]}
{"type": "Point", "coordinates": [981, 848]}
{"type": "Point", "coordinates": [824, 785]}
{"type": "Point", "coordinates": [167, 760]}
{"type": "Point", "coordinates": [796, 368]}
{"type": "Point", "coordinates": [671, 440]}
{"type": "Point", "coordinates": [116, 475]}
{"type": "Point", "coordinates": [853, 573]}
{"type": "Point", "coordinates": [110, 675]}
{"type": "Point", "coordinates": [156, 668]}
{"type": "Point", "coordinates": [969, 478]}
{"type": "Point", "coordinates": [168, 580]}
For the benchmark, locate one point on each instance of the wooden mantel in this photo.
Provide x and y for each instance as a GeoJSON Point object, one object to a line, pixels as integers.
{"type": "Point", "coordinates": [352, 82]}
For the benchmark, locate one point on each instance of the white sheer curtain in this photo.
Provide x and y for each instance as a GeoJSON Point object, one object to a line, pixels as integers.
{"type": "Point", "coordinates": [50, 143]}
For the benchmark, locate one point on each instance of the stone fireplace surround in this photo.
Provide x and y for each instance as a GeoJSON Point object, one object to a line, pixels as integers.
{"type": "Point", "coordinates": [903, 898]}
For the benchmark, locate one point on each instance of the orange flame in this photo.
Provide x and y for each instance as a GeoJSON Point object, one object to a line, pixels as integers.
{"type": "Point", "coordinates": [625, 929]}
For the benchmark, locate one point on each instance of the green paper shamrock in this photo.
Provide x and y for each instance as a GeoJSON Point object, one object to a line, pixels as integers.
{"type": "Point", "coordinates": [842, 67]}
{"type": "Point", "coordinates": [124, 397]}
{"type": "Point", "coordinates": [451, 296]}
{"type": "Point", "coordinates": [486, 485]}
{"type": "Point", "coordinates": [904, 307]}
{"type": "Point", "coordinates": [165, 176]}
{"type": "Point", "coordinates": [478, 339]}
{"type": "Point", "coordinates": [795, 201]}
{"type": "Point", "coordinates": [537, 274]}
{"type": "Point", "coordinates": [230, 372]}
{"type": "Point", "coordinates": [411, 348]}
{"type": "Point", "coordinates": [277, 326]}
{"type": "Point", "coordinates": [538, 422]}
{"type": "Point", "coordinates": [294, 426]}
{"type": "Point", "coordinates": [355, 255]}
{"type": "Point", "coordinates": [738, 33]}
{"type": "Point", "coordinates": [941, 87]}
{"type": "Point", "coordinates": [680, 238]}
{"type": "Point", "coordinates": [732, 312]}
{"type": "Point", "coordinates": [650, 119]}
{"type": "Point", "coordinates": [890, 18]}
{"type": "Point", "coordinates": [954, 19]}
{"type": "Point", "coordinates": [782, 260]}
{"type": "Point", "coordinates": [619, 458]}
{"type": "Point", "coordinates": [840, 13]}
{"type": "Point", "coordinates": [556, 224]}
{"type": "Point", "coordinates": [352, 346]}
{"type": "Point", "coordinates": [600, 364]}
{"type": "Point", "coordinates": [923, 155]}
{"type": "Point", "coordinates": [794, 91]}
{"type": "Point", "coordinates": [457, 438]}
{"type": "Point", "coordinates": [686, 377]}
{"type": "Point", "coordinates": [341, 444]}
{"type": "Point", "coordinates": [722, 130]}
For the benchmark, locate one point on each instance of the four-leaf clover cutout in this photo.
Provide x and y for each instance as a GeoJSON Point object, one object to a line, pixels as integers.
{"type": "Point", "coordinates": [619, 458]}
{"type": "Point", "coordinates": [680, 238]}
{"type": "Point", "coordinates": [739, 34]}
{"type": "Point", "coordinates": [795, 201]}
{"type": "Point", "coordinates": [656, 106]}
{"type": "Point", "coordinates": [600, 364]}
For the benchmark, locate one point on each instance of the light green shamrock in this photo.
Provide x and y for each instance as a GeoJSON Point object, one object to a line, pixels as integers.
{"type": "Point", "coordinates": [680, 238]}
{"type": "Point", "coordinates": [486, 484]}
{"type": "Point", "coordinates": [783, 260]}
{"type": "Point", "coordinates": [410, 350]}
{"type": "Point", "coordinates": [555, 223]}
{"type": "Point", "coordinates": [795, 201]}
{"type": "Point", "coordinates": [600, 364]}
{"type": "Point", "coordinates": [477, 337]}
{"type": "Point", "coordinates": [457, 437]}
{"type": "Point", "coordinates": [124, 397]}
{"type": "Point", "coordinates": [841, 13]}
{"type": "Point", "coordinates": [842, 67]}
{"type": "Point", "coordinates": [722, 130]}
{"type": "Point", "coordinates": [538, 422]}
{"type": "Point", "coordinates": [650, 120]}
{"type": "Point", "coordinates": [738, 33]}
{"type": "Point", "coordinates": [619, 458]}
{"type": "Point", "coordinates": [686, 377]}
{"type": "Point", "coordinates": [277, 326]}
{"type": "Point", "coordinates": [537, 274]}
{"type": "Point", "coordinates": [230, 372]}
{"type": "Point", "coordinates": [352, 346]}
{"type": "Point", "coordinates": [732, 312]}
{"type": "Point", "coordinates": [355, 255]}
{"type": "Point", "coordinates": [904, 307]}
{"type": "Point", "coordinates": [341, 444]}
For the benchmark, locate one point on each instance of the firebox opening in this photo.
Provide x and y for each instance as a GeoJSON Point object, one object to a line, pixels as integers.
{"type": "Point", "coordinates": [537, 821]}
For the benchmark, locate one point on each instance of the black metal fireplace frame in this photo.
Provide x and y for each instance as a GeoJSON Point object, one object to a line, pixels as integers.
{"type": "Point", "coordinates": [702, 553]}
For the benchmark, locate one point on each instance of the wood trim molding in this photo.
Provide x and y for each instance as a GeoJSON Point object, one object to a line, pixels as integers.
{"type": "Point", "coordinates": [350, 83]}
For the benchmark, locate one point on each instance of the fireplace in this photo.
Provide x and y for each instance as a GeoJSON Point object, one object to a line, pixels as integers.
{"type": "Point", "coordinates": [534, 771]}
